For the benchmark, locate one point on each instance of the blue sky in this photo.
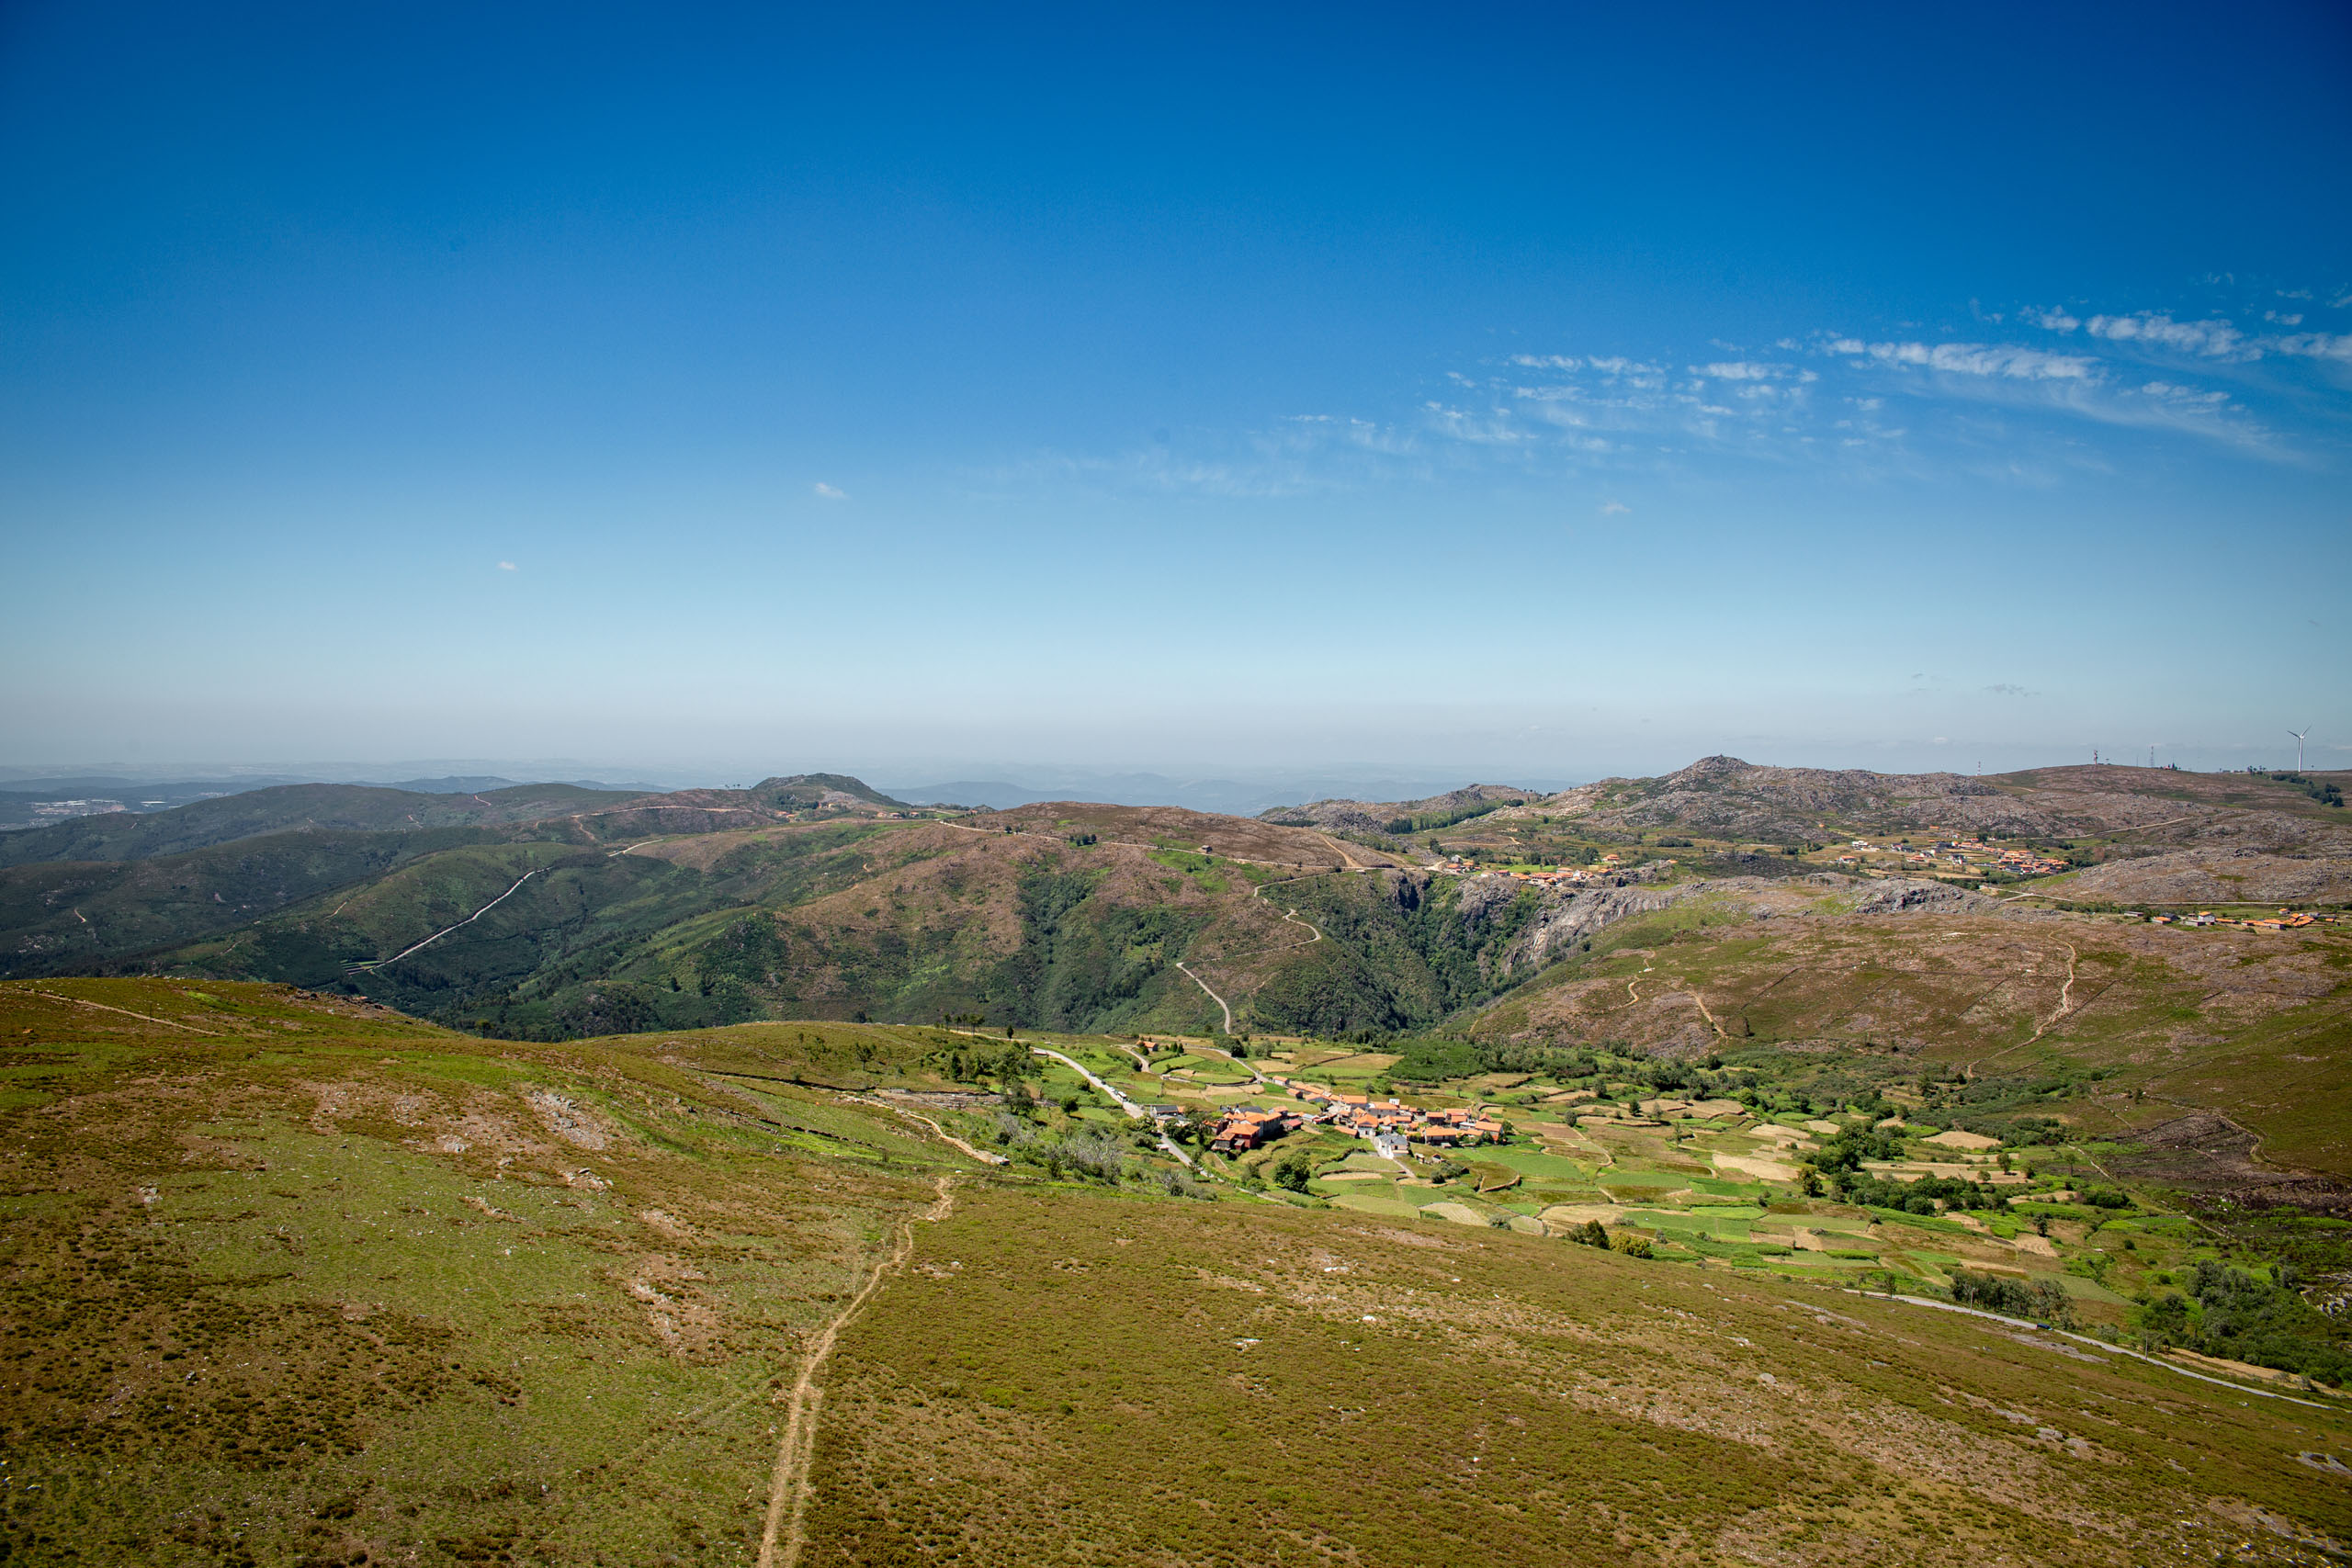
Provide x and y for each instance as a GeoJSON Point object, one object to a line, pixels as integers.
{"type": "Point", "coordinates": [1536, 392]}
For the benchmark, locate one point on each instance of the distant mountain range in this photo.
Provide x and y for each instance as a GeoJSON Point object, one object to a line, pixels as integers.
{"type": "Point", "coordinates": [1236, 797]}
{"type": "Point", "coordinates": [28, 800]}
{"type": "Point", "coordinates": [42, 802]}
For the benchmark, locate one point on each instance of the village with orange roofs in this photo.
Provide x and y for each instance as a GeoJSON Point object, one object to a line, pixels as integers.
{"type": "Point", "coordinates": [1390, 1125]}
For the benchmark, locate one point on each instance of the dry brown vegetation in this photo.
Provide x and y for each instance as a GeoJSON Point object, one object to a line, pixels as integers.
{"type": "Point", "coordinates": [2255, 1024]}
{"type": "Point", "coordinates": [1102, 1381]}
{"type": "Point", "coordinates": [2152, 806]}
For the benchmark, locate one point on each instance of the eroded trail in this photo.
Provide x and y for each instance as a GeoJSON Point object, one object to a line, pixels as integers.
{"type": "Point", "coordinates": [783, 1534]}
{"type": "Point", "coordinates": [2065, 1005]}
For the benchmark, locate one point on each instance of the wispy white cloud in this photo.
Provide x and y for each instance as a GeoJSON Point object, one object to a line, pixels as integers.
{"type": "Point", "coordinates": [828, 492]}
{"type": "Point", "coordinates": [2315, 345]}
{"type": "Point", "coordinates": [1873, 409]}
{"type": "Point", "coordinates": [2290, 319]}
{"type": "Point", "coordinates": [1978, 359]}
{"type": "Point", "coordinates": [1615, 367]}
{"type": "Point", "coordinates": [507, 566]}
{"type": "Point", "coordinates": [2185, 396]}
{"type": "Point", "coordinates": [2213, 339]}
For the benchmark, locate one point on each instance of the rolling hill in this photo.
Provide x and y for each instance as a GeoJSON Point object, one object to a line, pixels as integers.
{"type": "Point", "coordinates": [293, 1279]}
{"type": "Point", "coordinates": [549, 913]}
{"type": "Point", "coordinates": [317, 809]}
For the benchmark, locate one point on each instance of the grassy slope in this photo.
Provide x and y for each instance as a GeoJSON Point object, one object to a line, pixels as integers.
{"type": "Point", "coordinates": [2255, 1024]}
{"type": "Point", "coordinates": [319, 1280]}
{"type": "Point", "coordinates": [1102, 1381]}
{"type": "Point", "coordinates": [291, 1280]}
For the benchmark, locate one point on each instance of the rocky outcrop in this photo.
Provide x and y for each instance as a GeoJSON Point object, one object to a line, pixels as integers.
{"type": "Point", "coordinates": [1567, 918]}
{"type": "Point", "coordinates": [1726, 798]}
{"type": "Point", "coordinates": [1359, 817]}
{"type": "Point", "coordinates": [2216, 876]}
{"type": "Point", "coordinates": [1579, 915]}
{"type": "Point", "coordinates": [1904, 894]}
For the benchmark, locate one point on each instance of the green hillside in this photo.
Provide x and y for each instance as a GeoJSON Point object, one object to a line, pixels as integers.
{"type": "Point", "coordinates": [84, 915]}
{"type": "Point", "coordinates": [903, 919]}
{"type": "Point", "coordinates": [814, 897]}
{"type": "Point", "coordinates": [329, 808]}
{"type": "Point", "coordinates": [357, 1291]}
{"type": "Point", "coordinates": [290, 1278]}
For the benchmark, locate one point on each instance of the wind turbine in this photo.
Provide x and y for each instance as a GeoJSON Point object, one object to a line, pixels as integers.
{"type": "Point", "coordinates": [2299, 735]}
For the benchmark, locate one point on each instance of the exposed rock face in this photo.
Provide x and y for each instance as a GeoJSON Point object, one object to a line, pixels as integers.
{"type": "Point", "coordinates": [1569, 917]}
{"type": "Point", "coordinates": [1484, 897]}
{"type": "Point", "coordinates": [1580, 914]}
{"type": "Point", "coordinates": [1348, 817]}
{"type": "Point", "coordinates": [1897, 895]}
{"type": "Point", "coordinates": [1727, 795]}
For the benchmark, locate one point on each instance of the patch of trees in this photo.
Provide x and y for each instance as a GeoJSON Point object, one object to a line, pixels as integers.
{"type": "Point", "coordinates": [2024, 1131]}
{"type": "Point", "coordinates": [1916, 1197]}
{"type": "Point", "coordinates": [2039, 1300]}
{"type": "Point", "coordinates": [1008, 1064]}
{"type": "Point", "coordinates": [2322, 790]}
{"type": "Point", "coordinates": [1430, 821]}
{"type": "Point", "coordinates": [1433, 1061]}
{"type": "Point", "coordinates": [1848, 1150]}
{"type": "Point", "coordinates": [1329, 994]}
{"type": "Point", "coordinates": [2241, 1317]}
{"type": "Point", "coordinates": [1595, 1234]}
{"type": "Point", "coordinates": [1096, 1156]}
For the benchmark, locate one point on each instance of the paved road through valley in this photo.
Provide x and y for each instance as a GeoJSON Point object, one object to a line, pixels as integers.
{"type": "Point", "coordinates": [1133, 1110]}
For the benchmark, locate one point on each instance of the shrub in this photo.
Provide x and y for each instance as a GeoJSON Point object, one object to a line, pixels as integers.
{"type": "Point", "coordinates": [1094, 1153]}
{"type": "Point", "coordinates": [1629, 1243]}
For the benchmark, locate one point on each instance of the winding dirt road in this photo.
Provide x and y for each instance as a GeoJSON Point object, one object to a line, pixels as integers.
{"type": "Point", "coordinates": [444, 930]}
{"type": "Point", "coordinates": [1213, 996]}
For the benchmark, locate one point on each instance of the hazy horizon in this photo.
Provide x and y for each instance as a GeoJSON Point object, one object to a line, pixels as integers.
{"type": "Point", "coordinates": [1131, 783]}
